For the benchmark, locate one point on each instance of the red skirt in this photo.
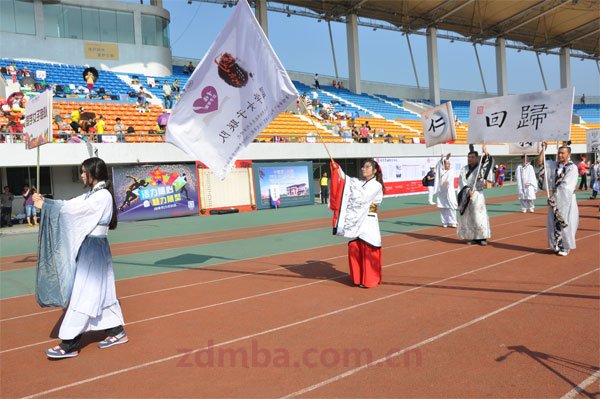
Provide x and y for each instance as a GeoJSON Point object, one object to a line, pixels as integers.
{"type": "Point", "coordinates": [365, 263]}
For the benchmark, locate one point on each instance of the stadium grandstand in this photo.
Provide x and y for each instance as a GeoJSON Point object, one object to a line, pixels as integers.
{"type": "Point", "coordinates": [131, 56]}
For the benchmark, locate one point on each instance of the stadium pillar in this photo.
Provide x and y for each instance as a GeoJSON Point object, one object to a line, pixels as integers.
{"type": "Point", "coordinates": [353, 53]}
{"type": "Point", "coordinates": [38, 11]}
{"type": "Point", "coordinates": [156, 3]}
{"type": "Point", "coordinates": [565, 67]}
{"type": "Point", "coordinates": [432, 57]}
{"type": "Point", "coordinates": [261, 15]}
{"type": "Point", "coordinates": [501, 66]}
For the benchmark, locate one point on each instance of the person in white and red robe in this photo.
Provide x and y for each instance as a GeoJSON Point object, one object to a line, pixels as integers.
{"type": "Point", "coordinates": [354, 203]}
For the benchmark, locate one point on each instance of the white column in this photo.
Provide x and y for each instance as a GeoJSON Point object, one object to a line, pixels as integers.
{"type": "Point", "coordinates": [137, 27]}
{"type": "Point", "coordinates": [38, 13]}
{"type": "Point", "coordinates": [565, 67]}
{"type": "Point", "coordinates": [432, 57]}
{"type": "Point", "coordinates": [261, 15]}
{"type": "Point", "coordinates": [353, 53]}
{"type": "Point", "coordinates": [501, 67]}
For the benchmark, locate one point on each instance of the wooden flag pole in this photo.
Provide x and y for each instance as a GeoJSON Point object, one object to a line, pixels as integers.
{"type": "Point", "coordinates": [545, 170]}
{"type": "Point", "coordinates": [315, 126]}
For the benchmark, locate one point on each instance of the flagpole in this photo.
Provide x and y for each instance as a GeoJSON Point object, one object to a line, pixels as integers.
{"type": "Point", "coordinates": [315, 126]}
{"type": "Point", "coordinates": [545, 171]}
{"type": "Point", "coordinates": [37, 171]}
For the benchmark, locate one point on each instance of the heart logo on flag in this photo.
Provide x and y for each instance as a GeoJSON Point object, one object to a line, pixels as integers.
{"type": "Point", "coordinates": [209, 101]}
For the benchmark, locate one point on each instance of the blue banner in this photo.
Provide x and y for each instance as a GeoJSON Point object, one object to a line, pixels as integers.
{"type": "Point", "coordinates": [281, 184]}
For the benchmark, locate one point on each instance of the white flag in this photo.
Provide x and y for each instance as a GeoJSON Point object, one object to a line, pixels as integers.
{"type": "Point", "coordinates": [524, 147]}
{"type": "Point", "coordinates": [543, 116]}
{"type": "Point", "coordinates": [38, 120]}
{"type": "Point", "coordinates": [238, 88]}
{"type": "Point", "coordinates": [593, 140]}
{"type": "Point", "coordinates": [438, 125]}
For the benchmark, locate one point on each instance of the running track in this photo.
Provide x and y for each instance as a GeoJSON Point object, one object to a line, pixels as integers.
{"type": "Point", "coordinates": [450, 320]}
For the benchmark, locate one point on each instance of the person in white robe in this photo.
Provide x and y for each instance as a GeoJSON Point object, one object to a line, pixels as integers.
{"type": "Point", "coordinates": [560, 178]}
{"type": "Point", "coordinates": [527, 185]}
{"type": "Point", "coordinates": [355, 203]}
{"type": "Point", "coordinates": [473, 221]}
{"type": "Point", "coordinates": [445, 192]}
{"type": "Point", "coordinates": [77, 273]}
{"type": "Point", "coordinates": [595, 177]}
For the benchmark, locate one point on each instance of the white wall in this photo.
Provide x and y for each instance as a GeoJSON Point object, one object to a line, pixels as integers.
{"type": "Point", "coordinates": [62, 183]}
{"type": "Point", "coordinates": [133, 58]}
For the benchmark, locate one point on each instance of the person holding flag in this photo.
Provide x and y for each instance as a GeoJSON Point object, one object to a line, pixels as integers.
{"type": "Point", "coordinates": [560, 179]}
{"type": "Point", "coordinates": [527, 185]}
{"type": "Point", "coordinates": [354, 203]}
{"type": "Point", "coordinates": [74, 268]}
{"type": "Point", "coordinates": [445, 192]}
{"type": "Point", "coordinates": [473, 221]}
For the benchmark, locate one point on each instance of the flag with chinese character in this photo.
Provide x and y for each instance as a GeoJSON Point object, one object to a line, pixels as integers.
{"type": "Point", "coordinates": [438, 125]}
{"type": "Point", "coordinates": [238, 88]}
{"type": "Point", "coordinates": [37, 128]}
{"type": "Point", "coordinates": [531, 117]}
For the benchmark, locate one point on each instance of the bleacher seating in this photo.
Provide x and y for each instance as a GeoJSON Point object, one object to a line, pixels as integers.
{"type": "Point", "coordinates": [589, 112]}
{"type": "Point", "coordinates": [63, 74]}
{"type": "Point", "coordinates": [397, 121]}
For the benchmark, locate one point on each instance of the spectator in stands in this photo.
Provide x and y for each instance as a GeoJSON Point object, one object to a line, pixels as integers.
{"type": "Point", "coordinates": [30, 212]}
{"type": "Point", "coordinates": [26, 72]}
{"type": "Point", "coordinates": [12, 70]}
{"type": "Point", "coordinates": [100, 125]}
{"type": "Point", "coordinates": [582, 167]}
{"type": "Point", "coordinates": [5, 134]}
{"type": "Point", "coordinates": [176, 89]}
{"type": "Point", "coordinates": [140, 105]}
{"type": "Point", "coordinates": [89, 80]}
{"type": "Point", "coordinates": [167, 92]}
{"type": "Point", "coordinates": [334, 83]}
{"type": "Point", "coordinates": [317, 85]}
{"type": "Point", "coordinates": [6, 200]}
{"type": "Point", "coordinates": [190, 67]}
{"type": "Point", "coordinates": [75, 118]}
{"type": "Point", "coordinates": [119, 129]}
{"type": "Point", "coordinates": [340, 85]}
{"type": "Point", "coordinates": [368, 126]}
{"type": "Point", "coordinates": [583, 98]}
{"type": "Point", "coordinates": [186, 70]}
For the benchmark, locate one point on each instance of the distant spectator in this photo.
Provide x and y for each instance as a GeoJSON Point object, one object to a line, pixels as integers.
{"type": "Point", "coordinates": [582, 168]}
{"type": "Point", "coordinates": [176, 88]}
{"type": "Point", "coordinates": [100, 125]}
{"type": "Point", "coordinates": [12, 70]}
{"type": "Point", "coordinates": [190, 67]}
{"type": "Point", "coordinates": [75, 118]}
{"type": "Point", "coordinates": [167, 92]}
{"type": "Point", "coordinates": [317, 85]}
{"type": "Point", "coordinates": [186, 70]}
{"type": "Point", "coordinates": [119, 129]}
{"type": "Point", "coordinates": [334, 84]}
{"type": "Point", "coordinates": [140, 105]}
{"type": "Point", "coordinates": [430, 181]}
{"type": "Point", "coordinates": [89, 80]}
{"type": "Point", "coordinates": [340, 85]}
{"type": "Point", "coordinates": [30, 212]}
{"type": "Point", "coordinates": [6, 200]}
{"type": "Point", "coordinates": [583, 98]}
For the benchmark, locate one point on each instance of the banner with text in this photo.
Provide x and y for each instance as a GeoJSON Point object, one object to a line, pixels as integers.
{"type": "Point", "coordinates": [438, 125]}
{"type": "Point", "coordinates": [402, 176]}
{"type": "Point", "coordinates": [37, 128]}
{"type": "Point", "coordinates": [155, 191]}
{"type": "Point", "coordinates": [292, 179]}
{"type": "Point", "coordinates": [593, 140]}
{"type": "Point", "coordinates": [543, 116]}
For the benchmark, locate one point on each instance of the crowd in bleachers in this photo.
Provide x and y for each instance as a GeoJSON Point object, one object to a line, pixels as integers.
{"type": "Point", "coordinates": [127, 107]}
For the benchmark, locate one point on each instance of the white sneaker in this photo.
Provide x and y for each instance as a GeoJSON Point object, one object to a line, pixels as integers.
{"type": "Point", "coordinates": [531, 210]}
{"type": "Point", "coordinates": [444, 225]}
{"type": "Point", "coordinates": [563, 252]}
{"type": "Point", "coordinates": [523, 210]}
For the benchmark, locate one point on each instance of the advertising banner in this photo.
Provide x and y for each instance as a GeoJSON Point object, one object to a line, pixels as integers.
{"type": "Point", "coordinates": [155, 191]}
{"type": "Point", "coordinates": [293, 181]}
{"type": "Point", "coordinates": [403, 176]}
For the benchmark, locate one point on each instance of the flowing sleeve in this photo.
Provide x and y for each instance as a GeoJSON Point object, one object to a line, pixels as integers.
{"type": "Point", "coordinates": [519, 175]}
{"type": "Point", "coordinates": [63, 227]}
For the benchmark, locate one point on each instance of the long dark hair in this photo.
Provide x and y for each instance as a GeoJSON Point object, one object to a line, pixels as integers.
{"type": "Point", "coordinates": [378, 173]}
{"type": "Point", "coordinates": [95, 169]}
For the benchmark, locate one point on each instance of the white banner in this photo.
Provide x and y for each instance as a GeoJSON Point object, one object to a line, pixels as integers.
{"type": "Point", "coordinates": [593, 140]}
{"type": "Point", "coordinates": [438, 125]}
{"type": "Point", "coordinates": [238, 88]}
{"type": "Point", "coordinates": [40, 74]}
{"type": "Point", "coordinates": [402, 176]}
{"type": "Point", "coordinates": [543, 116]}
{"type": "Point", "coordinates": [524, 147]}
{"type": "Point", "coordinates": [37, 128]}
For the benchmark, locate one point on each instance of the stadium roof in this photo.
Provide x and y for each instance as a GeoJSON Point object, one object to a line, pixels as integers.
{"type": "Point", "coordinates": [539, 24]}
